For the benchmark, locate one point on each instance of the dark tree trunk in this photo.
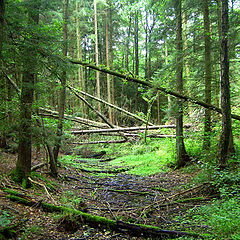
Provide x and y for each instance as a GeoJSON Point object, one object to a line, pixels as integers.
{"type": "Point", "coordinates": [182, 156]}
{"type": "Point", "coordinates": [23, 165]}
{"type": "Point", "coordinates": [2, 19]}
{"type": "Point", "coordinates": [225, 91]}
{"type": "Point", "coordinates": [3, 141]}
{"type": "Point", "coordinates": [63, 89]}
{"type": "Point", "coordinates": [208, 76]}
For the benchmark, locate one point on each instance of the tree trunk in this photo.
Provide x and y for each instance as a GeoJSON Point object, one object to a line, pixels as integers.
{"type": "Point", "coordinates": [107, 63]}
{"type": "Point", "coordinates": [23, 164]}
{"type": "Point", "coordinates": [2, 20]}
{"type": "Point", "coordinates": [81, 80]}
{"type": "Point", "coordinates": [111, 56]}
{"type": "Point", "coordinates": [3, 140]}
{"type": "Point", "coordinates": [136, 56]}
{"type": "Point", "coordinates": [182, 156]}
{"type": "Point", "coordinates": [208, 76]}
{"type": "Point", "coordinates": [63, 84]}
{"type": "Point", "coordinates": [96, 53]}
{"type": "Point", "coordinates": [225, 91]}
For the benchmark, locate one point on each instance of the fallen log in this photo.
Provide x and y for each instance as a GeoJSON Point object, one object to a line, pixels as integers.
{"type": "Point", "coordinates": [97, 221]}
{"type": "Point", "coordinates": [152, 85]}
{"type": "Point", "coordinates": [122, 129]}
{"type": "Point", "coordinates": [72, 118]}
{"type": "Point", "coordinates": [111, 105]}
{"type": "Point", "coordinates": [118, 170]}
{"type": "Point", "coordinates": [97, 112]}
{"type": "Point", "coordinates": [98, 142]}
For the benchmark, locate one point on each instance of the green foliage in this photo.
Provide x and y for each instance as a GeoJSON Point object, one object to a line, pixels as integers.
{"type": "Point", "coordinates": [5, 218]}
{"type": "Point", "coordinates": [221, 218]}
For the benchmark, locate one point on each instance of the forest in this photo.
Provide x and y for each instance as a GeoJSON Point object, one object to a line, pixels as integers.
{"type": "Point", "coordinates": [119, 119]}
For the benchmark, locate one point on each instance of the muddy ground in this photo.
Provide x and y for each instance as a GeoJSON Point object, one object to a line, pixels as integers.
{"type": "Point", "coordinates": [157, 200]}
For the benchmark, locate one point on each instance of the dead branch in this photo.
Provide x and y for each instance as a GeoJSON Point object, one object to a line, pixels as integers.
{"type": "Point", "coordinates": [93, 220]}
{"type": "Point", "coordinates": [121, 129]}
{"type": "Point", "coordinates": [97, 112]}
{"type": "Point", "coordinates": [98, 142]}
{"type": "Point", "coordinates": [44, 187]}
{"type": "Point", "coordinates": [151, 85]}
{"type": "Point", "coordinates": [111, 105]}
{"type": "Point", "coordinates": [118, 170]}
{"type": "Point", "coordinates": [36, 167]}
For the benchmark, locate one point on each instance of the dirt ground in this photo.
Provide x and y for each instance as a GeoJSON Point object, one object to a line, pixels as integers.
{"type": "Point", "coordinates": [155, 200]}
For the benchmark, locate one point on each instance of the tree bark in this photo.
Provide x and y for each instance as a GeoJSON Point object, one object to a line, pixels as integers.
{"type": "Point", "coordinates": [208, 76]}
{"type": "Point", "coordinates": [182, 157]}
{"type": "Point", "coordinates": [225, 91]}
{"type": "Point", "coordinates": [96, 53]}
{"type": "Point", "coordinates": [107, 64]}
{"type": "Point", "coordinates": [123, 129]}
{"type": "Point", "coordinates": [81, 80]}
{"type": "Point", "coordinates": [63, 85]}
{"type": "Point", "coordinates": [23, 164]}
{"type": "Point", "coordinates": [3, 139]}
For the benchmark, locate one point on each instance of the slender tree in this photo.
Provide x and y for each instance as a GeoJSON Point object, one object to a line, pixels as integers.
{"type": "Point", "coordinates": [182, 156]}
{"type": "Point", "coordinates": [107, 63]}
{"type": "Point", "coordinates": [208, 75]}
{"type": "Point", "coordinates": [62, 99]}
{"type": "Point", "coordinates": [23, 164]}
{"type": "Point", "coordinates": [96, 53]}
{"type": "Point", "coordinates": [225, 91]}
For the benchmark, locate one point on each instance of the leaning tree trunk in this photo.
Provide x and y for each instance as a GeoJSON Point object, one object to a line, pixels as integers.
{"type": "Point", "coordinates": [62, 99]}
{"type": "Point", "coordinates": [23, 165]}
{"type": "Point", "coordinates": [225, 91]}
{"type": "Point", "coordinates": [182, 156]}
{"type": "Point", "coordinates": [208, 76]}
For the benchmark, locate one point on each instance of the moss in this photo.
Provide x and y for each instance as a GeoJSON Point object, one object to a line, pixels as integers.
{"type": "Point", "coordinates": [19, 176]}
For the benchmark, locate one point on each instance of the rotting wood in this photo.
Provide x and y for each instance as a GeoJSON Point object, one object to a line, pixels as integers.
{"type": "Point", "coordinates": [107, 159]}
{"type": "Point", "coordinates": [151, 85]}
{"type": "Point", "coordinates": [122, 129]}
{"type": "Point", "coordinates": [44, 187]}
{"type": "Point", "coordinates": [93, 220]}
{"type": "Point", "coordinates": [38, 166]}
{"type": "Point", "coordinates": [113, 106]}
{"type": "Point", "coordinates": [75, 119]}
{"type": "Point", "coordinates": [118, 170]}
{"type": "Point", "coordinates": [128, 191]}
{"type": "Point", "coordinates": [98, 142]}
{"type": "Point", "coordinates": [97, 112]}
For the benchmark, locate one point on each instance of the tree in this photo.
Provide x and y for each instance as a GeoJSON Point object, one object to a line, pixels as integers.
{"type": "Point", "coordinates": [182, 156]}
{"type": "Point", "coordinates": [23, 164]}
{"type": "Point", "coordinates": [107, 64]}
{"type": "Point", "coordinates": [208, 72]}
{"type": "Point", "coordinates": [96, 53]}
{"type": "Point", "coordinates": [225, 91]}
{"type": "Point", "coordinates": [62, 100]}
{"type": "Point", "coordinates": [3, 142]}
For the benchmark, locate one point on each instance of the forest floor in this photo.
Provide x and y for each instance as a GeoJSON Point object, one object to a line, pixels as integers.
{"type": "Point", "coordinates": [159, 200]}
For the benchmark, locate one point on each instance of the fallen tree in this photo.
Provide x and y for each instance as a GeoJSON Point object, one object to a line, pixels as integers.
{"type": "Point", "coordinates": [152, 85]}
{"type": "Point", "coordinates": [112, 106]}
{"type": "Point", "coordinates": [122, 129]}
{"type": "Point", "coordinates": [97, 221]}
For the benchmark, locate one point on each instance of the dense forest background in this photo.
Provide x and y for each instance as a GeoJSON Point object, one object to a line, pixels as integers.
{"type": "Point", "coordinates": [168, 70]}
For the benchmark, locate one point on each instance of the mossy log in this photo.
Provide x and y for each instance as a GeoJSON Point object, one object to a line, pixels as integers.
{"type": "Point", "coordinates": [118, 170]}
{"type": "Point", "coordinates": [93, 220]}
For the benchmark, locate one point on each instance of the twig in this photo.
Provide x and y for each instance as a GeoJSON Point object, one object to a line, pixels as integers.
{"type": "Point", "coordinates": [42, 185]}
